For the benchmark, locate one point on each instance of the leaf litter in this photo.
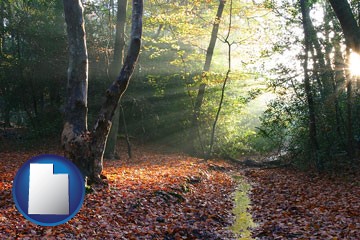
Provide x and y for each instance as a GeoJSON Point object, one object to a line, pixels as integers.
{"type": "Point", "coordinates": [151, 196]}
{"type": "Point", "coordinates": [173, 196]}
{"type": "Point", "coordinates": [288, 204]}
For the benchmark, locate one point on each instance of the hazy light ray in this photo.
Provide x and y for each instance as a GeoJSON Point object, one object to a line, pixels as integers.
{"type": "Point", "coordinates": [354, 65]}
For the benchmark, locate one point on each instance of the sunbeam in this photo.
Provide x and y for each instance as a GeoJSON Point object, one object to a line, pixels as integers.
{"type": "Point", "coordinates": [354, 65]}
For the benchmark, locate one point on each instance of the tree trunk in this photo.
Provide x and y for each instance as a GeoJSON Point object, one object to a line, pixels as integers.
{"type": "Point", "coordinates": [209, 55]}
{"type": "Point", "coordinates": [349, 124]}
{"type": "Point", "coordinates": [212, 138]}
{"type": "Point", "coordinates": [159, 31]}
{"type": "Point", "coordinates": [214, 34]}
{"type": "Point", "coordinates": [358, 7]}
{"type": "Point", "coordinates": [348, 23]}
{"type": "Point", "coordinates": [329, 47]}
{"type": "Point", "coordinates": [110, 151]}
{"type": "Point", "coordinates": [351, 32]}
{"type": "Point", "coordinates": [75, 135]}
{"type": "Point", "coordinates": [319, 61]}
{"type": "Point", "coordinates": [2, 28]}
{"type": "Point", "coordinates": [127, 138]}
{"type": "Point", "coordinates": [339, 78]}
{"type": "Point", "coordinates": [309, 96]}
{"type": "Point", "coordinates": [7, 116]}
{"type": "Point", "coordinates": [86, 148]}
{"type": "Point", "coordinates": [349, 109]}
{"type": "Point", "coordinates": [119, 44]}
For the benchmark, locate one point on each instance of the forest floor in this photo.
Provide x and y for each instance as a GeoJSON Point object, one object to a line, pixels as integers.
{"type": "Point", "coordinates": [167, 195]}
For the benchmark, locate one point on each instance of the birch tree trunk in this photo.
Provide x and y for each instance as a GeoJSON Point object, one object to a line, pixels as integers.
{"type": "Point", "coordinates": [86, 148]}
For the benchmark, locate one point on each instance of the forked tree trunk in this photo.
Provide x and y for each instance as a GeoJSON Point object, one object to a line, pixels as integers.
{"type": "Point", "coordinates": [119, 45]}
{"type": "Point", "coordinates": [85, 148]}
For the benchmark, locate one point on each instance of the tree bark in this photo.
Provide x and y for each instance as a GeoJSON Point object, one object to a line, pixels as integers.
{"type": "Point", "coordinates": [75, 131]}
{"type": "Point", "coordinates": [348, 23]}
{"type": "Point", "coordinates": [110, 150]}
{"type": "Point", "coordinates": [214, 34]}
{"type": "Point", "coordinates": [86, 148]}
{"type": "Point", "coordinates": [309, 96]}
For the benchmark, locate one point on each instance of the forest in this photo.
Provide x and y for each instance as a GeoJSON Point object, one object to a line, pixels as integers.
{"type": "Point", "coordinates": [188, 119]}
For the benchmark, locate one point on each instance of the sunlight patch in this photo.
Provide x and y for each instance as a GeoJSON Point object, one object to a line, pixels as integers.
{"type": "Point", "coordinates": [243, 219]}
{"type": "Point", "coordinates": [354, 65]}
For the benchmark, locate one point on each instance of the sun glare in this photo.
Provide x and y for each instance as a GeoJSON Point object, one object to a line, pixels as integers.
{"type": "Point", "coordinates": [354, 66]}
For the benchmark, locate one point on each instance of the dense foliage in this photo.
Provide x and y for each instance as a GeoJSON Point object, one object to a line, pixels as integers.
{"type": "Point", "coordinates": [159, 104]}
{"type": "Point", "coordinates": [267, 60]}
{"type": "Point", "coordinates": [334, 88]}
